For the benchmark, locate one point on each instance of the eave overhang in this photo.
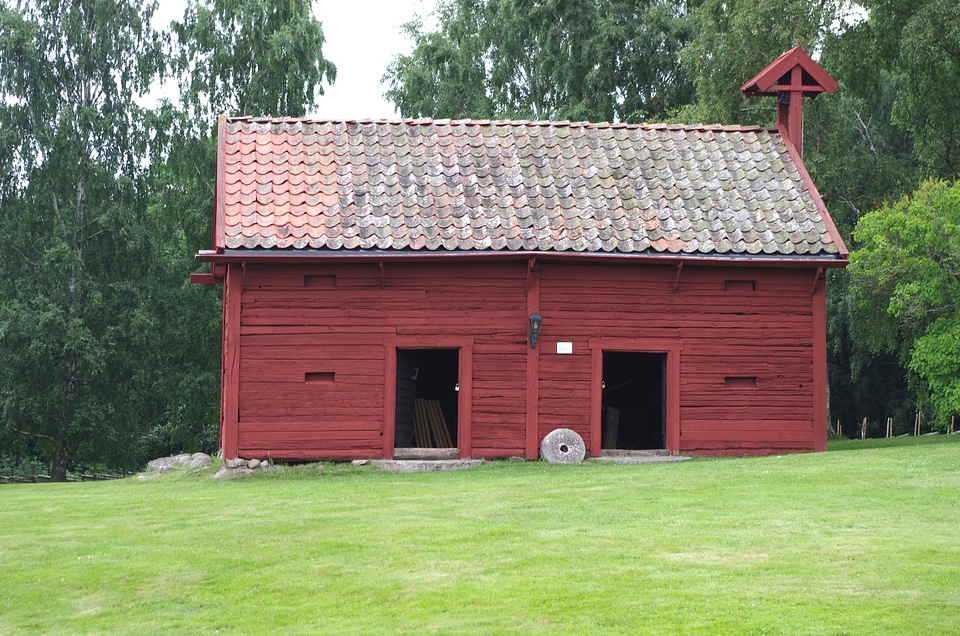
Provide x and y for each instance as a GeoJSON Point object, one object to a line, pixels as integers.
{"type": "Point", "coordinates": [326, 256]}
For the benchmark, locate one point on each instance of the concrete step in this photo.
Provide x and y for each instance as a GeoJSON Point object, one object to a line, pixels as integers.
{"type": "Point", "coordinates": [616, 452]}
{"type": "Point", "coordinates": [424, 465]}
{"type": "Point", "coordinates": [426, 453]}
{"type": "Point", "coordinates": [639, 456]}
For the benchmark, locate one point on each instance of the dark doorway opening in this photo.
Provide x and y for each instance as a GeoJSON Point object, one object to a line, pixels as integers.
{"type": "Point", "coordinates": [634, 401]}
{"type": "Point", "coordinates": [427, 398]}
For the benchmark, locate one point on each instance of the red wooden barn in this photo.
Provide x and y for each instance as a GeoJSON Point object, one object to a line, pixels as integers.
{"type": "Point", "coordinates": [380, 278]}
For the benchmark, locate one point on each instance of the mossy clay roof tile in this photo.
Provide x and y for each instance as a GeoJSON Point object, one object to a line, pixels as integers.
{"type": "Point", "coordinates": [416, 185]}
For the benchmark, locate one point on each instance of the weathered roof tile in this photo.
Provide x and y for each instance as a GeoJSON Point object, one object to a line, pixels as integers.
{"type": "Point", "coordinates": [533, 186]}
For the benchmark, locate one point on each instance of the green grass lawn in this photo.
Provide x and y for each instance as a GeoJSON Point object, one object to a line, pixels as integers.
{"type": "Point", "coordinates": [863, 542]}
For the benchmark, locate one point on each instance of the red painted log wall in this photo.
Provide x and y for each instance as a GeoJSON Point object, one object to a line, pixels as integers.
{"type": "Point", "coordinates": [338, 325]}
{"type": "Point", "coordinates": [766, 333]}
{"type": "Point", "coordinates": [313, 339]}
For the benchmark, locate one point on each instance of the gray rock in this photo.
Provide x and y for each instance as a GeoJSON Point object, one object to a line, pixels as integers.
{"type": "Point", "coordinates": [234, 463]}
{"type": "Point", "coordinates": [563, 446]}
{"type": "Point", "coordinates": [360, 462]}
{"type": "Point", "coordinates": [200, 459]}
{"type": "Point", "coordinates": [165, 469]}
{"type": "Point", "coordinates": [253, 463]}
{"type": "Point", "coordinates": [183, 459]}
{"type": "Point", "coordinates": [157, 464]}
{"type": "Point", "coordinates": [227, 473]}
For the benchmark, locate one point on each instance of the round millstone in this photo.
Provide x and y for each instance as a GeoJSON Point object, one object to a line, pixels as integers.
{"type": "Point", "coordinates": [563, 446]}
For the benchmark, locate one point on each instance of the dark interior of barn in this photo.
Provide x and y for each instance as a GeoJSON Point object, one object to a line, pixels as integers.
{"type": "Point", "coordinates": [427, 398]}
{"type": "Point", "coordinates": [634, 414]}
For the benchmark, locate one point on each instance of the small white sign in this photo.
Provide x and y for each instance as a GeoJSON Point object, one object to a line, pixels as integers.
{"type": "Point", "coordinates": [564, 347]}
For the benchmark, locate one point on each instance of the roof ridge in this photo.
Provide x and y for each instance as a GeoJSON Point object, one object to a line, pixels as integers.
{"type": "Point", "coordinates": [427, 121]}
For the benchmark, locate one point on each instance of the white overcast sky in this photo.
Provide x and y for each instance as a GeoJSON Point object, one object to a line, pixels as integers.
{"type": "Point", "coordinates": [362, 36]}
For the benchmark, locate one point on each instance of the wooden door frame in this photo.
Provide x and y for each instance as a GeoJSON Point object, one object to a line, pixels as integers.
{"type": "Point", "coordinates": [671, 348]}
{"type": "Point", "coordinates": [464, 347]}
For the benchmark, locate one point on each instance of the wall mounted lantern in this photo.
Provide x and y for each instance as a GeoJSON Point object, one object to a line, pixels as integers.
{"type": "Point", "coordinates": [536, 323]}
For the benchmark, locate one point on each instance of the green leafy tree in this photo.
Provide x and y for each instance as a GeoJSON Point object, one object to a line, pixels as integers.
{"type": "Point", "coordinates": [178, 380]}
{"type": "Point", "coordinates": [918, 41]}
{"type": "Point", "coordinates": [733, 40]}
{"type": "Point", "coordinates": [246, 57]}
{"type": "Point", "coordinates": [906, 286]}
{"type": "Point", "coordinates": [70, 180]}
{"type": "Point", "coordinates": [860, 159]}
{"type": "Point", "coordinates": [444, 76]}
{"type": "Point", "coordinates": [864, 383]}
{"type": "Point", "coordinates": [602, 60]}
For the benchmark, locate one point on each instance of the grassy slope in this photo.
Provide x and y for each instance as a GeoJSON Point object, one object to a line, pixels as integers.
{"type": "Point", "coordinates": [840, 542]}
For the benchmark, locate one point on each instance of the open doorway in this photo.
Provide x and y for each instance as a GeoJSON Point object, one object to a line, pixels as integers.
{"type": "Point", "coordinates": [427, 398]}
{"type": "Point", "coordinates": [633, 415]}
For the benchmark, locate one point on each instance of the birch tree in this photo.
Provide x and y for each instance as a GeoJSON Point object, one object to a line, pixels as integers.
{"type": "Point", "coordinates": [71, 149]}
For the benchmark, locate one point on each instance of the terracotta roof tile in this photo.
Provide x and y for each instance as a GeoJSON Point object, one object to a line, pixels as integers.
{"type": "Point", "coordinates": [533, 186]}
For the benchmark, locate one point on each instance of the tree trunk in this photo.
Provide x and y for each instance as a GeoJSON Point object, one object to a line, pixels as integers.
{"type": "Point", "coordinates": [829, 418]}
{"type": "Point", "coordinates": [58, 466]}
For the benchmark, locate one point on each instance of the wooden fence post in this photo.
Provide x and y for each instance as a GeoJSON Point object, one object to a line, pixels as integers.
{"type": "Point", "coordinates": [839, 429]}
{"type": "Point", "coordinates": [863, 429]}
{"type": "Point", "coordinates": [889, 427]}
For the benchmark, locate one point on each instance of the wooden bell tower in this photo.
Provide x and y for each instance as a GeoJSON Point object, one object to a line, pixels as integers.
{"type": "Point", "coordinates": [790, 78]}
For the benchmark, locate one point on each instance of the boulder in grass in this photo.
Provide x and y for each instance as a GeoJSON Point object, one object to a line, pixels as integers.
{"type": "Point", "coordinates": [161, 463]}
{"type": "Point", "coordinates": [200, 459]}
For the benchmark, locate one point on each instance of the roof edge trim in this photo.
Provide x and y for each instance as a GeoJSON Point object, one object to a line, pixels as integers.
{"type": "Point", "coordinates": [219, 211]}
{"type": "Point", "coordinates": [817, 199]}
{"type": "Point", "coordinates": [307, 256]}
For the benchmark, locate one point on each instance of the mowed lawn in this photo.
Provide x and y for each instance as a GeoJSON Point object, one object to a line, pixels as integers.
{"type": "Point", "coordinates": [863, 541]}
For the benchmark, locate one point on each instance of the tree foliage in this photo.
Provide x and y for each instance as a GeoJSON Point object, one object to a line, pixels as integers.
{"type": "Point", "coordinates": [108, 354]}
{"type": "Point", "coordinates": [917, 42]}
{"type": "Point", "coordinates": [250, 57]}
{"type": "Point", "coordinates": [74, 141]}
{"type": "Point", "coordinates": [734, 40]}
{"type": "Point", "coordinates": [906, 287]}
{"type": "Point", "coordinates": [602, 60]}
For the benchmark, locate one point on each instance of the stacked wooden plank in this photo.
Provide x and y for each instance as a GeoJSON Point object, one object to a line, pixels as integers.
{"type": "Point", "coordinates": [429, 426]}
